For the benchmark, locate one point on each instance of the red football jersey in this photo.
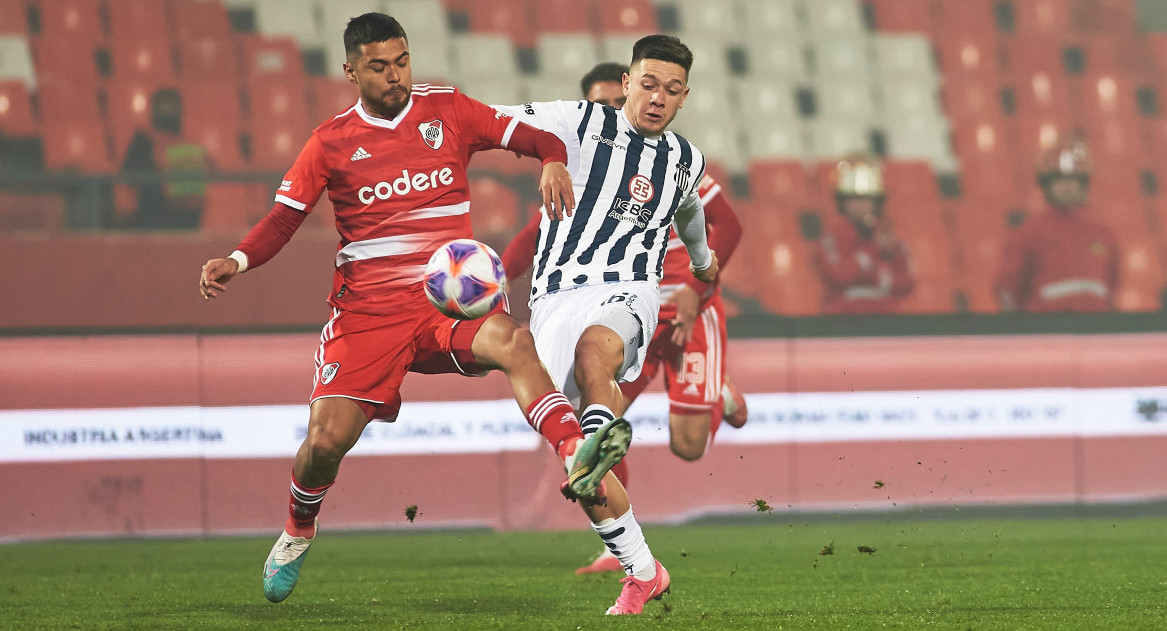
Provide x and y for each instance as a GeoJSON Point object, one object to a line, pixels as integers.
{"type": "Point", "coordinates": [398, 188]}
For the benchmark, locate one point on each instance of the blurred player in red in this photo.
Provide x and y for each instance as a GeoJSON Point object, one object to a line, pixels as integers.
{"type": "Point", "coordinates": [863, 266]}
{"type": "Point", "coordinates": [394, 167]}
{"type": "Point", "coordinates": [1059, 260]}
{"type": "Point", "coordinates": [691, 339]}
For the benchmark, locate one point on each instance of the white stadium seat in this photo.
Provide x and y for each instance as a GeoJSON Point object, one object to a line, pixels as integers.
{"type": "Point", "coordinates": [292, 18]}
{"type": "Point", "coordinates": [831, 139]}
{"type": "Point", "coordinates": [904, 55]}
{"type": "Point", "coordinates": [841, 56]}
{"type": "Point", "coordinates": [477, 55]}
{"type": "Point", "coordinates": [834, 17]}
{"type": "Point", "coordinates": [772, 19]}
{"type": "Point", "coordinates": [769, 57]}
{"type": "Point", "coordinates": [16, 60]}
{"type": "Point", "coordinates": [847, 100]}
{"type": "Point", "coordinates": [571, 55]}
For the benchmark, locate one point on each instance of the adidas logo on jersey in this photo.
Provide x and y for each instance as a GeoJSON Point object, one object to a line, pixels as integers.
{"type": "Point", "coordinates": [361, 154]}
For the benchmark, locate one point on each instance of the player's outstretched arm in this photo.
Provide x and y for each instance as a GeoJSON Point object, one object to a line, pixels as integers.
{"type": "Point", "coordinates": [556, 189]}
{"type": "Point", "coordinates": [263, 242]}
{"type": "Point", "coordinates": [706, 274]}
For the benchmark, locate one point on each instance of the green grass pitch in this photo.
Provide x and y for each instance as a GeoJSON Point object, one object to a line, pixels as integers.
{"type": "Point", "coordinates": [766, 572]}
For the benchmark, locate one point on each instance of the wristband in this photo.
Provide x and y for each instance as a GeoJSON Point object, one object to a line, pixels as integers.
{"type": "Point", "coordinates": [239, 258]}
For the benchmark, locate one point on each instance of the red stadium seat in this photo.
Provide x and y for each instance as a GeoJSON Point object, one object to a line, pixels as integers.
{"type": "Point", "coordinates": [128, 108]}
{"type": "Point", "coordinates": [965, 55]}
{"type": "Point", "coordinates": [13, 18]}
{"type": "Point", "coordinates": [329, 97]}
{"type": "Point", "coordinates": [980, 233]}
{"type": "Point", "coordinates": [779, 183]}
{"type": "Point", "coordinates": [772, 264]}
{"type": "Point", "coordinates": [904, 16]}
{"type": "Point", "coordinates": [213, 119]}
{"type": "Point", "coordinates": [1106, 16]}
{"type": "Point", "coordinates": [987, 161]}
{"type": "Point", "coordinates": [500, 16]}
{"type": "Point", "coordinates": [971, 98]}
{"type": "Point", "coordinates": [564, 16]}
{"type": "Point", "coordinates": [203, 40]}
{"type": "Point", "coordinates": [931, 256]}
{"type": "Point", "coordinates": [74, 137]}
{"type": "Point", "coordinates": [199, 19]}
{"type": "Point", "coordinates": [140, 40]}
{"type": "Point", "coordinates": [972, 18]}
{"type": "Point", "coordinates": [17, 117]}
{"type": "Point", "coordinates": [1141, 281]}
{"type": "Point", "coordinates": [279, 123]}
{"type": "Point", "coordinates": [632, 16]}
{"type": "Point", "coordinates": [57, 63]}
{"type": "Point", "coordinates": [1043, 17]}
{"type": "Point", "coordinates": [77, 22]}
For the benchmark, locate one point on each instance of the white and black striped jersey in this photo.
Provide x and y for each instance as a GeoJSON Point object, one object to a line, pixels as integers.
{"type": "Point", "coordinates": [628, 190]}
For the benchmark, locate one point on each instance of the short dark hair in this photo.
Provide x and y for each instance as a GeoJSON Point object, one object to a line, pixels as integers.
{"type": "Point", "coordinates": [370, 28]}
{"type": "Point", "coordinates": [607, 71]}
{"type": "Point", "coordinates": [663, 48]}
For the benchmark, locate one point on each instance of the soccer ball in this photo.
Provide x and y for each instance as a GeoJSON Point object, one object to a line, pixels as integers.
{"type": "Point", "coordinates": [465, 279]}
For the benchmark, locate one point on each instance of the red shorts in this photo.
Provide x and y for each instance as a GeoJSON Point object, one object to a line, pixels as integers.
{"type": "Point", "coordinates": [365, 357]}
{"type": "Point", "coordinates": [693, 374]}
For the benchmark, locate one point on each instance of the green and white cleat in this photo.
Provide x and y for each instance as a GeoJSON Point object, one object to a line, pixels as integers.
{"type": "Point", "coordinates": [282, 569]}
{"type": "Point", "coordinates": [594, 457]}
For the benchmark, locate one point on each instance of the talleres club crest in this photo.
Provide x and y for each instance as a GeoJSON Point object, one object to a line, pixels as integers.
{"type": "Point", "coordinates": [431, 133]}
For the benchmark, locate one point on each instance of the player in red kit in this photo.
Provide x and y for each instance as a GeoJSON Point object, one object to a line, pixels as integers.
{"type": "Point", "coordinates": [863, 266]}
{"type": "Point", "coordinates": [691, 339]}
{"type": "Point", "coordinates": [394, 167]}
{"type": "Point", "coordinates": [1059, 260]}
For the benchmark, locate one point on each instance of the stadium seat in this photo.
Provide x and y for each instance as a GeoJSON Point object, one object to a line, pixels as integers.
{"type": "Point", "coordinates": [710, 57]}
{"type": "Point", "coordinates": [920, 137]}
{"type": "Point", "coordinates": [1106, 16]}
{"type": "Point", "coordinates": [127, 103]}
{"type": "Point", "coordinates": [1141, 279]}
{"type": "Point", "coordinates": [770, 103]}
{"type": "Point", "coordinates": [16, 60]}
{"type": "Point", "coordinates": [328, 97]}
{"type": "Point", "coordinates": [774, 57]}
{"type": "Point", "coordinates": [1033, 134]}
{"type": "Point", "coordinates": [837, 18]}
{"type": "Point", "coordinates": [617, 47]}
{"type": "Point", "coordinates": [198, 19]}
{"type": "Point", "coordinates": [831, 139]}
{"type": "Point", "coordinates": [76, 139]}
{"type": "Point", "coordinates": [965, 19]}
{"type": "Point", "coordinates": [904, 16]}
{"type": "Point", "coordinates": [296, 19]}
{"type": "Point", "coordinates": [971, 98]}
{"type": "Point", "coordinates": [987, 162]}
{"type": "Point", "coordinates": [140, 39]}
{"type": "Point", "coordinates": [214, 119]}
{"type": "Point", "coordinates": [909, 98]}
{"type": "Point", "coordinates": [931, 256]}
{"type": "Point", "coordinates": [838, 57]}
{"type": "Point", "coordinates": [13, 18]}
{"type": "Point", "coordinates": [564, 16]}
{"type": "Point", "coordinates": [17, 117]}
{"type": "Point", "coordinates": [501, 17]}
{"type": "Point", "coordinates": [847, 99]}
{"type": "Point", "coordinates": [965, 55]}
{"type": "Point", "coordinates": [550, 86]}
{"type": "Point", "coordinates": [904, 56]}
{"type": "Point", "coordinates": [716, 142]}
{"type": "Point", "coordinates": [567, 54]}
{"type": "Point", "coordinates": [632, 16]}
{"type": "Point", "coordinates": [482, 56]}
{"type": "Point", "coordinates": [979, 236]}
{"type": "Point", "coordinates": [1043, 17]}
{"type": "Point", "coordinates": [767, 142]}
{"type": "Point", "coordinates": [778, 183]}
{"type": "Point", "coordinates": [206, 57]}
{"type": "Point", "coordinates": [262, 55]}
{"type": "Point", "coordinates": [279, 123]}
{"type": "Point", "coordinates": [774, 19]}
{"type": "Point", "coordinates": [713, 21]}
{"type": "Point", "coordinates": [77, 22]}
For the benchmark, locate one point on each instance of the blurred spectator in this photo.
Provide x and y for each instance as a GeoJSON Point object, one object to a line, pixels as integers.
{"type": "Point", "coordinates": [1059, 260]}
{"type": "Point", "coordinates": [166, 173]}
{"type": "Point", "coordinates": [863, 266]}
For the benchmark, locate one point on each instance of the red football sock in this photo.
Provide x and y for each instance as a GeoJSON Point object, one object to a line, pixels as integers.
{"type": "Point", "coordinates": [303, 507]}
{"type": "Point", "coordinates": [552, 416]}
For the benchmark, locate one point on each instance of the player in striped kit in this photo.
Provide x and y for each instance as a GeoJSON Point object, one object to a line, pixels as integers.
{"type": "Point", "coordinates": [690, 340]}
{"type": "Point", "coordinates": [595, 296]}
{"type": "Point", "coordinates": [394, 167]}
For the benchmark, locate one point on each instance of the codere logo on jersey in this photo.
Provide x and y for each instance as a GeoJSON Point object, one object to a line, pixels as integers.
{"type": "Point", "coordinates": [406, 184]}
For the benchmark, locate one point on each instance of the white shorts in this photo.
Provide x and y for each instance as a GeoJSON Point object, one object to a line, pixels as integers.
{"type": "Point", "coordinates": [559, 319]}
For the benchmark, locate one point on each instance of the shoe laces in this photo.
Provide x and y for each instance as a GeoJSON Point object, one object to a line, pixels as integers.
{"type": "Point", "coordinates": [633, 596]}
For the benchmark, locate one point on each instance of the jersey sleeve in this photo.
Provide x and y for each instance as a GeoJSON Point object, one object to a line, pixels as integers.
{"type": "Point", "coordinates": [307, 179]}
{"type": "Point", "coordinates": [561, 118]}
{"type": "Point", "coordinates": [486, 128]}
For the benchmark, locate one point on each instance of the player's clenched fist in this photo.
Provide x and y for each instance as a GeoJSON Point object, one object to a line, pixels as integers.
{"type": "Point", "coordinates": [215, 274]}
{"type": "Point", "coordinates": [708, 274]}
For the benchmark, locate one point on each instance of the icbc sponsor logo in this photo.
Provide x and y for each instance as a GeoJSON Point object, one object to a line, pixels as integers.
{"type": "Point", "coordinates": [406, 184]}
{"type": "Point", "coordinates": [640, 188]}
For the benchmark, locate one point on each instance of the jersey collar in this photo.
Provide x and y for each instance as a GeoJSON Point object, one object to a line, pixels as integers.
{"type": "Point", "coordinates": [650, 141]}
{"type": "Point", "coordinates": [381, 122]}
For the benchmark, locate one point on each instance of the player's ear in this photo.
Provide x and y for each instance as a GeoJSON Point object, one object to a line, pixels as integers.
{"type": "Point", "coordinates": [349, 73]}
{"type": "Point", "coordinates": [684, 95]}
{"type": "Point", "coordinates": [624, 80]}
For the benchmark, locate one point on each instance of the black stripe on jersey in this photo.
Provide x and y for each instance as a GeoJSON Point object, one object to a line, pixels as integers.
{"type": "Point", "coordinates": [631, 168]}
{"type": "Point", "coordinates": [542, 266]}
{"type": "Point", "coordinates": [553, 280]}
{"type": "Point", "coordinates": [587, 203]}
{"type": "Point", "coordinates": [687, 161]}
{"type": "Point", "coordinates": [660, 166]}
{"type": "Point", "coordinates": [583, 123]}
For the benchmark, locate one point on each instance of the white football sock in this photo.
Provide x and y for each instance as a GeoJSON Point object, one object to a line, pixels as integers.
{"type": "Point", "coordinates": [593, 418]}
{"type": "Point", "coordinates": [626, 541]}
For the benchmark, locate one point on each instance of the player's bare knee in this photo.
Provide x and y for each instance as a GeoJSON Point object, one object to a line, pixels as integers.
{"type": "Point", "coordinates": [686, 448]}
